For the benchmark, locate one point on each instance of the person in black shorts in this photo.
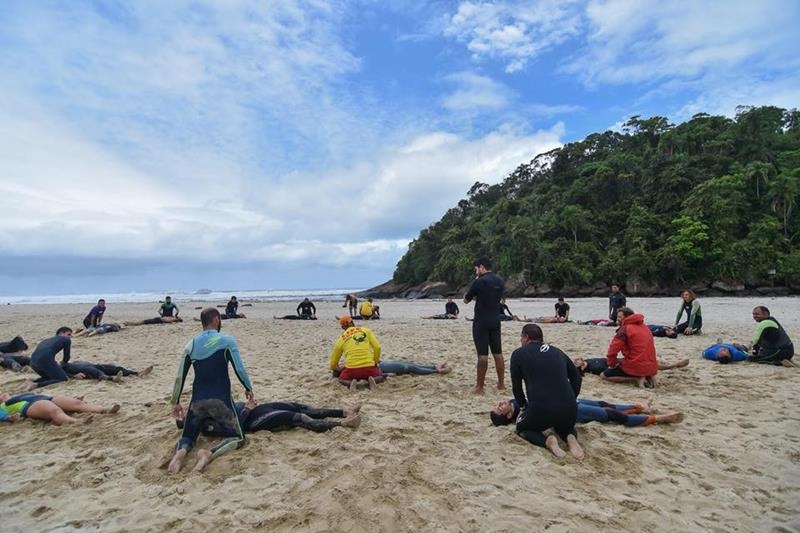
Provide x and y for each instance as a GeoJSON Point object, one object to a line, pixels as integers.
{"type": "Point", "coordinates": [552, 384]}
{"type": "Point", "coordinates": [156, 320]}
{"type": "Point", "coordinates": [562, 309]}
{"type": "Point", "coordinates": [486, 290]}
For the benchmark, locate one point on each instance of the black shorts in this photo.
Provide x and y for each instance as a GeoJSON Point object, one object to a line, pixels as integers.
{"type": "Point", "coordinates": [156, 320]}
{"type": "Point", "coordinates": [487, 337]}
{"type": "Point", "coordinates": [617, 372]}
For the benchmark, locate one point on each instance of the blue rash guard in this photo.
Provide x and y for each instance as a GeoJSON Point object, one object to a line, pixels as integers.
{"type": "Point", "coordinates": [209, 354]}
{"type": "Point", "coordinates": [711, 353]}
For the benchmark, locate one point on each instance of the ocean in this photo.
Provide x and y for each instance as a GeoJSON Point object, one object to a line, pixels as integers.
{"type": "Point", "coordinates": [201, 295]}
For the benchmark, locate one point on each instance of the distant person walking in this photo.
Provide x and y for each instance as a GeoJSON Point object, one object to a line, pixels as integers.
{"type": "Point", "coordinates": [487, 290]}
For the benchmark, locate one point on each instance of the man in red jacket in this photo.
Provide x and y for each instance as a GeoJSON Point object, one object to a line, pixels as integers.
{"type": "Point", "coordinates": [635, 340]}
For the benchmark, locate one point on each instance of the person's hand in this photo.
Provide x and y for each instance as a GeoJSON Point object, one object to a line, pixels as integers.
{"type": "Point", "coordinates": [688, 331]}
{"type": "Point", "coordinates": [520, 416]}
{"type": "Point", "coordinates": [251, 398]}
{"type": "Point", "coordinates": [14, 418]}
{"type": "Point", "coordinates": [177, 412]}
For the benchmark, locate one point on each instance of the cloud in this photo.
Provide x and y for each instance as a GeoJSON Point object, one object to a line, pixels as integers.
{"type": "Point", "coordinates": [637, 41]}
{"type": "Point", "coordinates": [513, 32]}
{"type": "Point", "coordinates": [476, 92]}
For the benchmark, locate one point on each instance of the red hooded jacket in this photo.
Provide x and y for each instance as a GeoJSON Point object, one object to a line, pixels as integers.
{"type": "Point", "coordinates": [635, 341]}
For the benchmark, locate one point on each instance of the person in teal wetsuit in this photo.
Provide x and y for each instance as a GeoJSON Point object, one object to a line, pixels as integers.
{"type": "Point", "coordinates": [209, 353]}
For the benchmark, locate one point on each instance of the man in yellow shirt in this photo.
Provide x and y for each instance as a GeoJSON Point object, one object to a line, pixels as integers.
{"type": "Point", "coordinates": [368, 311]}
{"type": "Point", "coordinates": [361, 350]}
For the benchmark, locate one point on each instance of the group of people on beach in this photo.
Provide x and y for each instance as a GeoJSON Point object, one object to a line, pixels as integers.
{"type": "Point", "coordinates": [545, 382]}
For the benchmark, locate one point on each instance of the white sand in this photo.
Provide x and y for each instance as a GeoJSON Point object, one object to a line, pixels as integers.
{"type": "Point", "coordinates": [425, 457]}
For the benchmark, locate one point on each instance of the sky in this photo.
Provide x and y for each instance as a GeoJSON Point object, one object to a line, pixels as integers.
{"type": "Point", "coordinates": [157, 145]}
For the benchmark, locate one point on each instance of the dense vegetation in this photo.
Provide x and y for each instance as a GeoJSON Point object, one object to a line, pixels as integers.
{"type": "Point", "coordinates": [711, 199]}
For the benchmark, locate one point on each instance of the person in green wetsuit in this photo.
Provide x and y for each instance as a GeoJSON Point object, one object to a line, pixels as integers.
{"type": "Point", "coordinates": [694, 315]}
{"type": "Point", "coordinates": [771, 343]}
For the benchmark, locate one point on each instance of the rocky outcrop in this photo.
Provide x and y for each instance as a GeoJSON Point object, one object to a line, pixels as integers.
{"type": "Point", "coordinates": [390, 289]}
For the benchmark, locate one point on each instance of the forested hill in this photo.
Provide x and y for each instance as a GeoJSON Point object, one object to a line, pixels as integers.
{"type": "Point", "coordinates": [711, 201]}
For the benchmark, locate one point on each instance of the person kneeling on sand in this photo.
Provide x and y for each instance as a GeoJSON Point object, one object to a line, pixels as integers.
{"type": "Point", "coordinates": [598, 365]}
{"type": "Point", "coordinates": [279, 416]}
{"type": "Point", "coordinates": [49, 408]}
{"type": "Point", "coordinates": [361, 351]}
{"type": "Point", "coordinates": [552, 384]}
{"type": "Point", "coordinates": [209, 353]}
{"type": "Point", "coordinates": [635, 341]}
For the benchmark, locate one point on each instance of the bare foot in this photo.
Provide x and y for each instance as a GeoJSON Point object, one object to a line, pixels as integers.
{"type": "Point", "coordinates": [113, 409]}
{"type": "Point", "coordinates": [443, 368]}
{"type": "Point", "coordinates": [477, 390]}
{"type": "Point", "coordinates": [353, 385]}
{"type": "Point", "coordinates": [29, 386]}
{"type": "Point", "coordinates": [146, 371]}
{"type": "Point", "coordinates": [682, 363]}
{"type": "Point", "coordinates": [552, 444]}
{"type": "Point", "coordinates": [117, 377]}
{"type": "Point", "coordinates": [575, 448]}
{"type": "Point", "coordinates": [352, 421]}
{"type": "Point", "coordinates": [788, 363]}
{"type": "Point", "coordinates": [203, 458]}
{"type": "Point", "coordinates": [350, 411]}
{"type": "Point", "coordinates": [640, 382]}
{"type": "Point", "coordinates": [501, 386]}
{"type": "Point", "coordinates": [176, 463]}
{"type": "Point", "coordinates": [644, 406]}
{"type": "Point", "coordinates": [669, 418]}
{"type": "Point", "coordinates": [79, 375]}
{"type": "Point", "coordinates": [371, 383]}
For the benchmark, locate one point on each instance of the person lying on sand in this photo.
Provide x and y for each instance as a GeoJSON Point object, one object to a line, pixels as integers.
{"type": "Point", "coordinates": [598, 365]}
{"type": "Point", "coordinates": [156, 320]}
{"type": "Point", "coordinates": [49, 408]}
{"type": "Point", "coordinates": [279, 416]}
{"type": "Point", "coordinates": [14, 362]}
{"type": "Point", "coordinates": [390, 368]}
{"type": "Point", "coordinates": [102, 329]}
{"type": "Point", "coordinates": [15, 345]}
{"type": "Point", "coordinates": [631, 415]}
{"type": "Point", "coordinates": [450, 312]}
{"type": "Point", "coordinates": [724, 353]}
{"type": "Point", "coordinates": [101, 371]}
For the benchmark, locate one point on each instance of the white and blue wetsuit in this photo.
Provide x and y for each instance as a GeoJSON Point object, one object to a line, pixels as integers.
{"type": "Point", "coordinates": [209, 354]}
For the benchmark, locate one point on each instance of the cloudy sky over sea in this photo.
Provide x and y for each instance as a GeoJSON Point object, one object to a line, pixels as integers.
{"type": "Point", "coordinates": [156, 145]}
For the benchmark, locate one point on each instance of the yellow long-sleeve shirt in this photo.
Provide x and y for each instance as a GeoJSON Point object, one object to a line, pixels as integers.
{"type": "Point", "coordinates": [359, 346]}
{"type": "Point", "coordinates": [365, 309]}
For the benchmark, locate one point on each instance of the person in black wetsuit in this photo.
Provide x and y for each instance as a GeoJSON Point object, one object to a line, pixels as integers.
{"type": "Point", "coordinates": [598, 365]}
{"type": "Point", "coordinates": [562, 309]}
{"type": "Point", "coordinates": [17, 344]}
{"type": "Point", "coordinates": [487, 290]}
{"type": "Point", "coordinates": [156, 320]}
{"type": "Point", "coordinates": [552, 384]}
{"type": "Point", "coordinates": [101, 371]}
{"type": "Point", "coordinates": [663, 331]}
{"type": "Point", "coordinates": [232, 309]}
{"type": "Point", "coordinates": [450, 311]}
{"type": "Point", "coordinates": [616, 301]}
{"type": "Point", "coordinates": [209, 353]}
{"type": "Point", "coordinates": [43, 359]}
{"type": "Point", "coordinates": [306, 310]}
{"type": "Point", "coordinates": [14, 362]}
{"type": "Point", "coordinates": [279, 416]}
{"type": "Point", "coordinates": [167, 308]}
{"type": "Point", "coordinates": [771, 344]}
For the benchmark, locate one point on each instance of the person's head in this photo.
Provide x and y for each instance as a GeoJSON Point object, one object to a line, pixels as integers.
{"type": "Point", "coordinates": [724, 356]}
{"type": "Point", "coordinates": [482, 265]}
{"type": "Point", "coordinates": [449, 300]}
{"type": "Point", "coordinates": [670, 332]}
{"type": "Point", "coordinates": [561, 299]}
{"type": "Point", "coordinates": [688, 295]}
{"type": "Point", "coordinates": [101, 303]}
{"type": "Point", "coordinates": [168, 299]}
{"type": "Point", "coordinates": [623, 313]}
{"type": "Point", "coordinates": [64, 331]}
{"type": "Point", "coordinates": [210, 318]}
{"type": "Point", "coordinates": [369, 300]}
{"type": "Point", "coordinates": [305, 300]}
{"type": "Point", "coordinates": [531, 333]}
{"type": "Point", "coordinates": [233, 298]}
{"type": "Point", "coordinates": [502, 414]}
{"type": "Point", "coordinates": [615, 287]}
{"type": "Point", "coordinates": [580, 363]}
{"type": "Point", "coordinates": [503, 300]}
{"type": "Point", "coordinates": [346, 321]}
{"type": "Point", "coordinates": [760, 313]}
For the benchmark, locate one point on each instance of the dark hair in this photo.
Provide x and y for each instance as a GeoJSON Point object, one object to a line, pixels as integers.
{"type": "Point", "coordinates": [533, 332]}
{"type": "Point", "coordinates": [168, 298]}
{"type": "Point", "coordinates": [762, 309]}
{"type": "Point", "coordinates": [615, 284]}
{"type": "Point", "coordinates": [627, 311]}
{"type": "Point", "coordinates": [691, 293]}
{"type": "Point", "coordinates": [101, 300]}
{"type": "Point", "coordinates": [485, 261]}
{"type": "Point", "coordinates": [560, 298]}
{"type": "Point", "coordinates": [498, 419]}
{"type": "Point", "coordinates": [63, 329]}
{"type": "Point", "coordinates": [208, 315]}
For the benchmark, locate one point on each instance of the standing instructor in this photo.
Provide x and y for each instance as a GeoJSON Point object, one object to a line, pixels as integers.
{"type": "Point", "coordinates": [486, 290]}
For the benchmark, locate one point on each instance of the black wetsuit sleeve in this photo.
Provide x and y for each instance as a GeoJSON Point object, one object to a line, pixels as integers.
{"type": "Point", "coordinates": [573, 375]}
{"type": "Point", "coordinates": [299, 308]}
{"type": "Point", "coordinates": [313, 309]}
{"type": "Point", "coordinates": [67, 344]}
{"type": "Point", "coordinates": [516, 382]}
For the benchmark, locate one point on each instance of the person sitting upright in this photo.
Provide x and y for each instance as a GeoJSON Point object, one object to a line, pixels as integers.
{"type": "Point", "coordinates": [562, 310]}
{"type": "Point", "coordinates": [635, 341]}
{"type": "Point", "coordinates": [450, 311]}
{"type": "Point", "coordinates": [307, 310]}
{"type": "Point", "coordinates": [694, 315]}
{"type": "Point", "coordinates": [362, 352]}
{"type": "Point", "coordinates": [168, 308]}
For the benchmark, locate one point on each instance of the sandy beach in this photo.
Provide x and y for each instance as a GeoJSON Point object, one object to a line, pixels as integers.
{"type": "Point", "coordinates": [425, 457]}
